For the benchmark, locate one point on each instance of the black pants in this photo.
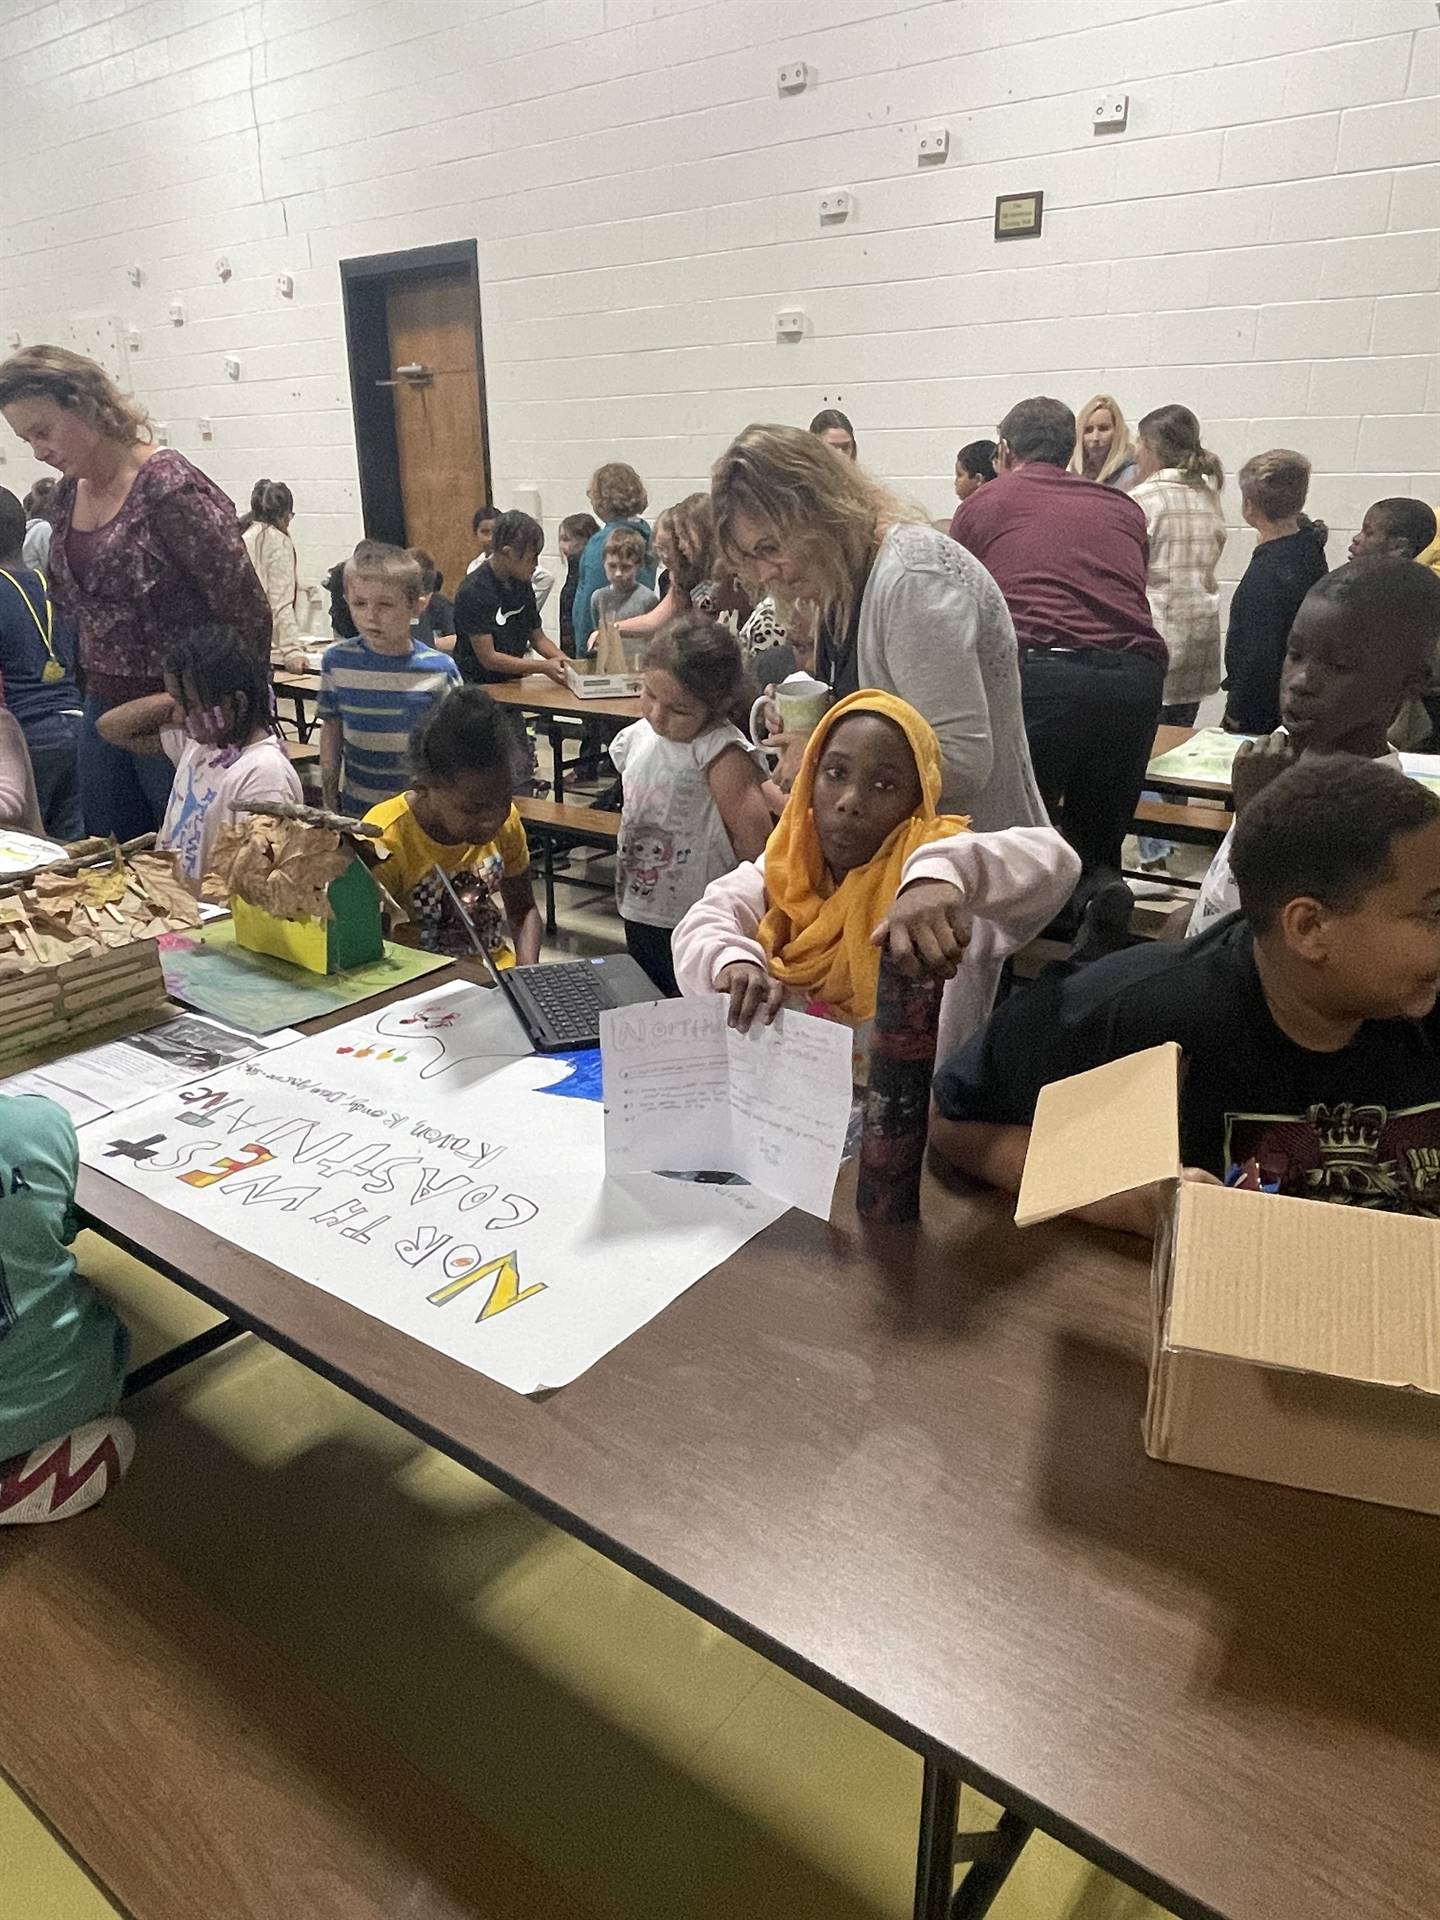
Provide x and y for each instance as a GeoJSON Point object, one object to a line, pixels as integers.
{"type": "Point", "coordinates": [651, 947]}
{"type": "Point", "coordinates": [1090, 718]}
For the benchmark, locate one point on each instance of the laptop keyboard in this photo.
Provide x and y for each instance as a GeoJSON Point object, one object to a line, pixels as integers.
{"type": "Point", "coordinates": [569, 997]}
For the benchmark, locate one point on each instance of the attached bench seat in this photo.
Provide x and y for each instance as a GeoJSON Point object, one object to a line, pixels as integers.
{"type": "Point", "coordinates": [551, 826]}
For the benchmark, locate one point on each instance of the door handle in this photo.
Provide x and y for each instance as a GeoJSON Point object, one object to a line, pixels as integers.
{"type": "Point", "coordinates": [414, 374]}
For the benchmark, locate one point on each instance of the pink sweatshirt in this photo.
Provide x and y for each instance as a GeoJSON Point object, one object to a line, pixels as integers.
{"type": "Point", "coordinates": [1014, 883]}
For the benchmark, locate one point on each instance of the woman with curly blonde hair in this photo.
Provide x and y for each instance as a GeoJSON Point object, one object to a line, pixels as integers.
{"type": "Point", "coordinates": [145, 548]}
{"type": "Point", "coordinates": [1104, 447]}
{"type": "Point", "coordinates": [900, 607]}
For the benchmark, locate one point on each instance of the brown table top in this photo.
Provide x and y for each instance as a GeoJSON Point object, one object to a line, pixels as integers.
{"type": "Point", "coordinates": [535, 692]}
{"type": "Point", "coordinates": [538, 693]}
{"type": "Point", "coordinates": [1167, 738]}
{"type": "Point", "coordinates": [907, 1466]}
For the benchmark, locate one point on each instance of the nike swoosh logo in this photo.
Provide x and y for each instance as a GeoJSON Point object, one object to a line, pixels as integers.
{"type": "Point", "coordinates": [501, 617]}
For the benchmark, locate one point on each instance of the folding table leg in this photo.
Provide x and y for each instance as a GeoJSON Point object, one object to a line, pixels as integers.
{"type": "Point", "coordinates": [171, 1361]}
{"type": "Point", "coordinates": [992, 1854]}
{"type": "Point", "coordinates": [557, 757]}
{"type": "Point", "coordinates": [551, 923]}
{"type": "Point", "coordinates": [935, 1856]}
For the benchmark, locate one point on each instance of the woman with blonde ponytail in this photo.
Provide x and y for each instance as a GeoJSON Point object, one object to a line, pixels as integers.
{"type": "Point", "coordinates": [1179, 493]}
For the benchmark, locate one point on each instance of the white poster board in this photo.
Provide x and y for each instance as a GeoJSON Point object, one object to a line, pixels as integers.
{"type": "Point", "coordinates": [412, 1163]}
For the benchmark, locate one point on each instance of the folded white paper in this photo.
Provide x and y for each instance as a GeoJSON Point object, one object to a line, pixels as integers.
{"type": "Point", "coordinates": [684, 1093]}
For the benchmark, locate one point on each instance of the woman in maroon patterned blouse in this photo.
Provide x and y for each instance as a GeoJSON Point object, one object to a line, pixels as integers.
{"type": "Point", "coordinates": [145, 547]}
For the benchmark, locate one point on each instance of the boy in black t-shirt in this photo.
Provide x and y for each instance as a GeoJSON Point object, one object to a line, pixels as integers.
{"type": "Point", "coordinates": [497, 623]}
{"type": "Point", "coordinates": [1308, 1021]}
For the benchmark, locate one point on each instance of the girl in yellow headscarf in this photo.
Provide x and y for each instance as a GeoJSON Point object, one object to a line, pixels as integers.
{"type": "Point", "coordinates": [861, 861]}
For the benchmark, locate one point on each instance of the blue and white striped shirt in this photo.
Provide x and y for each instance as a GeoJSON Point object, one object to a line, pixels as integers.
{"type": "Point", "coordinates": [379, 700]}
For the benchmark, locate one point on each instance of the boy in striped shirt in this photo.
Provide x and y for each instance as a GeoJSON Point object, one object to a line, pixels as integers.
{"type": "Point", "coordinates": [377, 688]}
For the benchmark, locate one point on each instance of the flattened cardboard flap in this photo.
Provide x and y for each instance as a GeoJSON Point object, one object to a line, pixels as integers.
{"type": "Point", "coordinates": [1101, 1133]}
{"type": "Point", "coordinates": [1307, 1285]}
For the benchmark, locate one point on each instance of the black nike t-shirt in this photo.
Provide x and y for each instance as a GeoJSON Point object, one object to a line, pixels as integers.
{"type": "Point", "coordinates": [1361, 1126]}
{"type": "Point", "coordinates": [505, 609]}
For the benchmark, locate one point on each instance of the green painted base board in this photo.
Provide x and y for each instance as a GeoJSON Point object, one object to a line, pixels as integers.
{"type": "Point", "coordinates": [260, 994]}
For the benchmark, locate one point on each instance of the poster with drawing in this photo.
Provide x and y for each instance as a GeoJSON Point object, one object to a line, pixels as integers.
{"type": "Point", "coordinates": [419, 1163]}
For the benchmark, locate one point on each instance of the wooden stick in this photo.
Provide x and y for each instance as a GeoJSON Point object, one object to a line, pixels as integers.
{"type": "Point", "coordinates": [103, 850]}
{"type": "Point", "coordinates": [315, 817]}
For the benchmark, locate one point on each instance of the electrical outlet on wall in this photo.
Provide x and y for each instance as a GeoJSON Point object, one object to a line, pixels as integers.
{"type": "Point", "coordinates": [835, 206]}
{"type": "Point", "coordinates": [793, 78]}
{"type": "Point", "coordinates": [135, 275]}
{"type": "Point", "coordinates": [206, 426]}
{"type": "Point", "coordinates": [177, 313]}
{"type": "Point", "coordinates": [1112, 113]}
{"type": "Point", "coordinates": [161, 432]}
{"type": "Point", "coordinates": [284, 285]}
{"type": "Point", "coordinates": [934, 144]}
{"type": "Point", "coordinates": [789, 324]}
{"type": "Point", "coordinates": [232, 366]}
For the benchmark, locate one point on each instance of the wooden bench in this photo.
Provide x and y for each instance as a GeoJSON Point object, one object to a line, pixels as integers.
{"type": "Point", "coordinates": [1201, 826]}
{"type": "Point", "coordinates": [194, 1771]}
{"type": "Point", "coordinates": [551, 826]}
{"type": "Point", "coordinates": [304, 756]}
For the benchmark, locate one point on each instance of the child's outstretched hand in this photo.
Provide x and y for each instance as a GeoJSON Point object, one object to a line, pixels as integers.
{"type": "Point", "coordinates": [754, 994]}
{"type": "Point", "coordinates": [927, 930]}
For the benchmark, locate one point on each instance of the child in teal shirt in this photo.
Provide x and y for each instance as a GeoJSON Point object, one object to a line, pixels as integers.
{"type": "Point", "coordinates": [62, 1350]}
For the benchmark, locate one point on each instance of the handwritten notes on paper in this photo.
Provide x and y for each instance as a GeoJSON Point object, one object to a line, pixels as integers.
{"type": "Point", "coordinates": [684, 1093]}
{"type": "Point", "coordinates": [421, 1164]}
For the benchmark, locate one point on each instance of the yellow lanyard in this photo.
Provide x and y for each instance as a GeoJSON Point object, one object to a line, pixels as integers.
{"type": "Point", "coordinates": [53, 670]}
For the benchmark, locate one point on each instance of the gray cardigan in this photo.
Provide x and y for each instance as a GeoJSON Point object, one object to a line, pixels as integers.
{"type": "Point", "coordinates": [934, 629]}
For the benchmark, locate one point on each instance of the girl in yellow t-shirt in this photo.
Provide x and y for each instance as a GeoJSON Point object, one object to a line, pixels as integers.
{"type": "Point", "coordinates": [460, 816]}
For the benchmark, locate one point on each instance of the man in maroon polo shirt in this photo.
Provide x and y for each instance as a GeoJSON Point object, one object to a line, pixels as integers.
{"type": "Point", "coordinates": [1070, 557]}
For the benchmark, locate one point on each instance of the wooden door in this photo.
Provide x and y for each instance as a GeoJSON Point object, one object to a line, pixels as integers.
{"type": "Point", "coordinates": [432, 320]}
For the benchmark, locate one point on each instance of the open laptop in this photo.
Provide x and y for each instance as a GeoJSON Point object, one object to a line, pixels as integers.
{"type": "Point", "coordinates": [560, 1004]}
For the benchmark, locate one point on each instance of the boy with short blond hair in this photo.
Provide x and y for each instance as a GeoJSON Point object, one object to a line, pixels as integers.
{"type": "Point", "coordinates": [377, 688]}
{"type": "Point", "coordinates": [623, 596]}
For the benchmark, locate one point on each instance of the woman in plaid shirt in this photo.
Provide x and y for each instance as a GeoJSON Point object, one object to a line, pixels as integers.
{"type": "Point", "coordinates": [1179, 493]}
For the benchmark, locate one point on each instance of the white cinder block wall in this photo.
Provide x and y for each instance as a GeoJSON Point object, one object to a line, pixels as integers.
{"type": "Point", "coordinates": [1263, 242]}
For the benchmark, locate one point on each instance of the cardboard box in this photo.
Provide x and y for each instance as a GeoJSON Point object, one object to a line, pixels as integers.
{"type": "Point", "coordinates": [601, 686]}
{"type": "Point", "coordinates": [1292, 1340]}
